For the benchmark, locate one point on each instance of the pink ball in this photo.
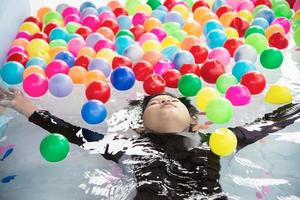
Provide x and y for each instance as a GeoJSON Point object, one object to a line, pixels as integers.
{"type": "Point", "coordinates": [284, 22]}
{"type": "Point", "coordinates": [221, 54]}
{"type": "Point", "coordinates": [159, 32]}
{"type": "Point", "coordinates": [233, 3]}
{"type": "Point", "coordinates": [162, 66]}
{"type": "Point", "coordinates": [16, 49]}
{"type": "Point", "coordinates": [91, 21]}
{"type": "Point", "coordinates": [296, 6]}
{"type": "Point", "coordinates": [70, 11]}
{"type": "Point", "coordinates": [24, 35]}
{"type": "Point", "coordinates": [106, 15]}
{"type": "Point", "coordinates": [55, 67]}
{"type": "Point", "coordinates": [245, 5]}
{"type": "Point", "coordinates": [35, 85]}
{"type": "Point", "coordinates": [72, 18]}
{"type": "Point", "coordinates": [238, 95]}
{"type": "Point", "coordinates": [104, 43]}
{"type": "Point", "coordinates": [139, 18]}
{"type": "Point", "coordinates": [75, 44]}
{"type": "Point", "coordinates": [147, 36]}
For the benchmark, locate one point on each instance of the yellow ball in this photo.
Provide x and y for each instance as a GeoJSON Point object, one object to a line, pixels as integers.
{"type": "Point", "coordinates": [199, 13]}
{"type": "Point", "coordinates": [246, 14]}
{"type": "Point", "coordinates": [231, 32]}
{"type": "Point", "coordinates": [205, 95]}
{"type": "Point", "coordinates": [144, 8]}
{"type": "Point", "coordinates": [107, 54]}
{"type": "Point", "coordinates": [278, 94]}
{"type": "Point", "coordinates": [170, 41]}
{"type": "Point", "coordinates": [37, 45]}
{"type": "Point", "coordinates": [150, 45]}
{"type": "Point", "coordinates": [222, 142]}
{"type": "Point", "coordinates": [183, 10]}
{"type": "Point", "coordinates": [43, 55]}
{"type": "Point", "coordinates": [30, 27]}
{"type": "Point", "coordinates": [151, 23]}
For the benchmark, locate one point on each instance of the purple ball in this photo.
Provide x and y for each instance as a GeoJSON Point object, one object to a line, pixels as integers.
{"type": "Point", "coordinates": [60, 85]}
{"type": "Point", "coordinates": [101, 65]}
{"type": "Point", "coordinates": [92, 39]}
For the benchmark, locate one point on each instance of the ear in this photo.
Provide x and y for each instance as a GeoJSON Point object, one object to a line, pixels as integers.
{"type": "Point", "coordinates": [140, 130]}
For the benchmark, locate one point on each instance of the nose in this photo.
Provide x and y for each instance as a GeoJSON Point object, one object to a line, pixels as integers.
{"type": "Point", "coordinates": [166, 101]}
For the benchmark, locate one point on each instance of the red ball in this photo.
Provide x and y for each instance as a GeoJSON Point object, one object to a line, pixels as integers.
{"type": "Point", "coordinates": [169, 4]}
{"type": "Point", "coordinates": [223, 9]}
{"type": "Point", "coordinates": [154, 84]}
{"type": "Point", "coordinates": [142, 69]}
{"type": "Point", "coordinates": [240, 25]}
{"type": "Point", "coordinates": [98, 90]}
{"type": "Point", "coordinates": [291, 3]}
{"type": "Point", "coordinates": [34, 20]}
{"type": "Point", "coordinates": [232, 44]}
{"type": "Point", "coordinates": [211, 70]}
{"type": "Point", "coordinates": [263, 2]}
{"type": "Point", "coordinates": [254, 81]}
{"type": "Point", "coordinates": [189, 68]}
{"type": "Point", "coordinates": [84, 31]}
{"type": "Point", "coordinates": [41, 35]}
{"type": "Point", "coordinates": [278, 41]}
{"type": "Point", "coordinates": [19, 57]}
{"type": "Point", "coordinates": [120, 11]}
{"type": "Point", "coordinates": [121, 61]}
{"type": "Point", "coordinates": [112, 25]}
{"type": "Point", "coordinates": [137, 31]}
{"type": "Point", "coordinates": [83, 61]}
{"type": "Point", "coordinates": [200, 53]}
{"type": "Point", "coordinates": [49, 27]}
{"type": "Point", "coordinates": [199, 3]}
{"type": "Point", "coordinates": [171, 76]}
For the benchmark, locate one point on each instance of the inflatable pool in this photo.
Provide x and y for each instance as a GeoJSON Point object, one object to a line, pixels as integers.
{"type": "Point", "coordinates": [268, 169]}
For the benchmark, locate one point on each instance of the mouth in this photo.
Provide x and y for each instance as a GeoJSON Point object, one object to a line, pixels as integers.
{"type": "Point", "coordinates": [165, 105]}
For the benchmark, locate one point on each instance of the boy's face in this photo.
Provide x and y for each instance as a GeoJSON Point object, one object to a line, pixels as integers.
{"type": "Point", "coordinates": [166, 114]}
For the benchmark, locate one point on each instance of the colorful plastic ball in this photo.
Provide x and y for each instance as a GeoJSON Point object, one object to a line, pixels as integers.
{"type": "Point", "coordinates": [258, 41]}
{"type": "Point", "coordinates": [278, 41]}
{"type": "Point", "coordinates": [174, 17]}
{"type": "Point", "coordinates": [112, 25]}
{"type": "Point", "coordinates": [223, 142]}
{"type": "Point", "coordinates": [242, 67]}
{"type": "Point", "coordinates": [85, 5]}
{"type": "Point", "coordinates": [60, 7]}
{"type": "Point", "coordinates": [162, 66]}
{"type": "Point", "coordinates": [221, 54]}
{"type": "Point", "coordinates": [125, 32]}
{"type": "Point", "coordinates": [206, 18]}
{"type": "Point", "coordinates": [189, 85]}
{"type": "Point", "coordinates": [200, 4]}
{"type": "Point", "coordinates": [169, 41]}
{"type": "Point", "coordinates": [154, 84]}
{"type": "Point", "coordinates": [37, 45]}
{"type": "Point", "coordinates": [93, 112]}
{"type": "Point", "coordinates": [227, 18]}
{"type": "Point", "coordinates": [42, 11]}
{"type": "Point", "coordinates": [101, 65]}
{"type": "Point", "coordinates": [82, 61]}
{"type": "Point", "coordinates": [122, 78]}
{"type": "Point", "coordinates": [283, 10]}
{"type": "Point", "coordinates": [107, 33]}
{"type": "Point", "coordinates": [271, 58]}
{"type": "Point", "coordinates": [40, 35]}
{"type": "Point", "coordinates": [231, 32]}
{"type": "Point", "coordinates": [122, 43]}
{"type": "Point", "coordinates": [37, 62]}
{"type": "Point", "coordinates": [171, 27]}
{"type": "Point", "coordinates": [29, 27]}
{"type": "Point", "coordinates": [245, 52]}
{"type": "Point", "coordinates": [170, 52]}
{"type": "Point", "coordinates": [55, 67]}
{"type": "Point", "coordinates": [151, 23]}
{"type": "Point", "coordinates": [75, 44]}
{"type": "Point", "coordinates": [238, 95]}
{"type": "Point", "coordinates": [34, 20]}
{"type": "Point", "coordinates": [284, 22]}
{"type": "Point", "coordinates": [152, 56]}
{"type": "Point", "coordinates": [211, 25]}
{"type": "Point", "coordinates": [52, 16]}
{"type": "Point", "coordinates": [60, 85]}
{"type": "Point", "coordinates": [240, 24]}
{"type": "Point", "coordinates": [147, 36]}
{"type": "Point", "coordinates": [223, 9]}
{"type": "Point", "coordinates": [159, 32]}
{"type": "Point", "coordinates": [72, 19]}
{"type": "Point", "coordinates": [33, 70]}
{"type": "Point", "coordinates": [159, 14]}
{"type": "Point", "coordinates": [278, 94]}
{"type": "Point", "coordinates": [92, 22]}
{"type": "Point", "coordinates": [273, 29]}
{"type": "Point", "coordinates": [225, 81]}
{"type": "Point", "coordinates": [124, 22]}
{"type": "Point", "coordinates": [66, 57]}
{"type": "Point", "coordinates": [190, 68]}
{"type": "Point", "coordinates": [183, 57]}
{"type": "Point", "coordinates": [216, 4]}
{"type": "Point", "coordinates": [261, 22]}
{"type": "Point", "coordinates": [59, 33]}
{"type": "Point", "coordinates": [121, 61]}
{"type": "Point", "coordinates": [297, 36]}
{"type": "Point", "coordinates": [245, 5]}
{"type": "Point", "coordinates": [104, 44]}
{"type": "Point", "coordinates": [133, 53]}
{"type": "Point", "coordinates": [254, 81]}
{"type": "Point", "coordinates": [16, 49]}
{"type": "Point", "coordinates": [205, 95]}
{"type": "Point", "coordinates": [216, 38]}
{"type": "Point", "coordinates": [151, 45]}
{"type": "Point", "coordinates": [93, 75]}
{"type": "Point", "coordinates": [12, 72]}
{"type": "Point", "coordinates": [254, 29]}
{"type": "Point", "coordinates": [219, 110]}
{"type": "Point", "coordinates": [171, 77]}
{"type": "Point", "coordinates": [84, 31]}
{"type": "Point", "coordinates": [21, 42]}
{"type": "Point", "coordinates": [54, 147]}
{"type": "Point", "coordinates": [19, 57]}
{"type": "Point", "coordinates": [266, 14]}
{"type": "Point", "coordinates": [199, 52]}
{"type": "Point", "coordinates": [35, 85]}
{"type": "Point", "coordinates": [142, 69]}
{"type": "Point", "coordinates": [211, 70]}
{"type": "Point", "coordinates": [70, 10]}
{"type": "Point", "coordinates": [139, 18]}
{"type": "Point", "coordinates": [24, 34]}
{"type": "Point", "coordinates": [98, 90]}
{"type": "Point", "coordinates": [77, 74]}
{"type": "Point", "coordinates": [92, 39]}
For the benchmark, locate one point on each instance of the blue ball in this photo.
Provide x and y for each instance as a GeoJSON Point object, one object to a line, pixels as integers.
{"type": "Point", "coordinates": [170, 52]}
{"type": "Point", "coordinates": [88, 11]}
{"type": "Point", "coordinates": [67, 57]}
{"type": "Point", "coordinates": [159, 14]}
{"type": "Point", "coordinates": [124, 22]}
{"type": "Point", "coordinates": [134, 53]}
{"type": "Point", "coordinates": [86, 4]}
{"type": "Point", "coordinates": [93, 112]}
{"type": "Point", "coordinates": [12, 72]}
{"type": "Point", "coordinates": [103, 8]}
{"type": "Point", "coordinates": [211, 25]}
{"type": "Point", "coordinates": [122, 42]}
{"type": "Point", "coordinates": [183, 57]}
{"type": "Point", "coordinates": [217, 4]}
{"type": "Point", "coordinates": [60, 85]}
{"type": "Point", "coordinates": [61, 7]}
{"type": "Point", "coordinates": [267, 14]}
{"type": "Point", "coordinates": [122, 78]}
{"type": "Point", "coordinates": [261, 22]}
{"type": "Point", "coordinates": [36, 61]}
{"type": "Point", "coordinates": [242, 67]}
{"type": "Point", "coordinates": [162, 8]}
{"type": "Point", "coordinates": [216, 38]}
{"type": "Point", "coordinates": [59, 33]}
{"type": "Point", "coordinates": [174, 17]}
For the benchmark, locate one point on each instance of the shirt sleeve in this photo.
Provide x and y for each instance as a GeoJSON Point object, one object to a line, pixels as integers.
{"type": "Point", "coordinates": [269, 123]}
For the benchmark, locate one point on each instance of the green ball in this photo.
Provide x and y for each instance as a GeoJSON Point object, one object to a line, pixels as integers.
{"type": "Point", "coordinates": [271, 58]}
{"type": "Point", "coordinates": [225, 81]}
{"type": "Point", "coordinates": [254, 29]}
{"type": "Point", "coordinates": [180, 35]}
{"type": "Point", "coordinates": [153, 4]}
{"type": "Point", "coordinates": [189, 2]}
{"type": "Point", "coordinates": [189, 85]}
{"type": "Point", "coordinates": [72, 27]}
{"type": "Point", "coordinates": [219, 110]}
{"type": "Point", "coordinates": [171, 27]}
{"type": "Point", "coordinates": [125, 32]}
{"type": "Point", "coordinates": [258, 41]}
{"type": "Point", "coordinates": [51, 15]}
{"type": "Point", "coordinates": [283, 10]}
{"type": "Point", "coordinates": [297, 36]}
{"type": "Point", "coordinates": [131, 6]}
{"type": "Point", "coordinates": [54, 147]}
{"type": "Point", "coordinates": [57, 43]}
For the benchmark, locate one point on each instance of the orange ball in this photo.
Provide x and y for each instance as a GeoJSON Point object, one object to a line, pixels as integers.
{"type": "Point", "coordinates": [151, 23]}
{"type": "Point", "coordinates": [192, 28]}
{"type": "Point", "coordinates": [273, 29]}
{"type": "Point", "coordinates": [200, 12]}
{"type": "Point", "coordinates": [206, 17]}
{"type": "Point", "coordinates": [107, 33]}
{"type": "Point", "coordinates": [226, 18]}
{"type": "Point", "coordinates": [20, 42]}
{"type": "Point", "coordinates": [87, 51]}
{"type": "Point", "coordinates": [114, 4]}
{"type": "Point", "coordinates": [93, 75]}
{"type": "Point", "coordinates": [77, 74]}
{"type": "Point", "coordinates": [33, 69]}
{"type": "Point", "coordinates": [152, 56]}
{"type": "Point", "coordinates": [42, 12]}
{"type": "Point", "coordinates": [189, 41]}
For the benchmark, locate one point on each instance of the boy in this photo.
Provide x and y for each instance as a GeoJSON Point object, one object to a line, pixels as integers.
{"type": "Point", "coordinates": [169, 160]}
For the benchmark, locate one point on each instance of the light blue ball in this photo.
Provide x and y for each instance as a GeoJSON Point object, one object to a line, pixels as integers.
{"type": "Point", "coordinates": [103, 8]}
{"type": "Point", "coordinates": [124, 22]}
{"type": "Point", "coordinates": [122, 42]}
{"type": "Point", "coordinates": [75, 35]}
{"type": "Point", "coordinates": [159, 14]}
{"type": "Point", "coordinates": [122, 78]}
{"type": "Point", "coordinates": [162, 8]}
{"type": "Point", "coordinates": [216, 38]}
{"type": "Point", "coordinates": [183, 57]}
{"type": "Point", "coordinates": [245, 52]}
{"type": "Point", "coordinates": [170, 52]}
{"type": "Point", "coordinates": [60, 85]}
{"type": "Point", "coordinates": [12, 72]}
{"type": "Point", "coordinates": [86, 4]}
{"type": "Point", "coordinates": [67, 57]}
{"type": "Point", "coordinates": [59, 33]}
{"type": "Point", "coordinates": [101, 65]}
{"type": "Point", "coordinates": [134, 53]}
{"type": "Point", "coordinates": [217, 4]}
{"type": "Point", "coordinates": [174, 17]}
{"type": "Point", "coordinates": [88, 11]}
{"type": "Point", "coordinates": [61, 7]}
{"type": "Point", "coordinates": [93, 112]}
{"type": "Point", "coordinates": [242, 67]}
{"type": "Point", "coordinates": [92, 39]}
{"type": "Point", "coordinates": [211, 25]}
{"type": "Point", "coordinates": [261, 22]}
{"type": "Point", "coordinates": [267, 14]}
{"type": "Point", "coordinates": [36, 61]}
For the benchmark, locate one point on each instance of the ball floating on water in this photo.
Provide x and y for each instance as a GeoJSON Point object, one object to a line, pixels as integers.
{"type": "Point", "coordinates": [35, 85]}
{"type": "Point", "coordinates": [238, 95]}
{"type": "Point", "coordinates": [271, 58]}
{"type": "Point", "coordinates": [204, 96]}
{"type": "Point", "coordinates": [278, 94]}
{"type": "Point", "coordinates": [154, 84]}
{"type": "Point", "coordinates": [189, 85]}
{"type": "Point", "coordinates": [122, 78]}
{"type": "Point", "coordinates": [60, 85]}
{"type": "Point", "coordinates": [12, 72]}
{"type": "Point", "coordinates": [223, 142]}
{"type": "Point", "coordinates": [254, 81]}
{"type": "Point", "coordinates": [93, 112]}
{"type": "Point", "coordinates": [219, 110]}
{"type": "Point", "coordinates": [98, 90]}
{"type": "Point", "coordinates": [225, 81]}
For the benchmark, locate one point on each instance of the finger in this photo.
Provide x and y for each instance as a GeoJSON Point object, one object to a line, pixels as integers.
{"type": "Point", "coordinates": [15, 91]}
{"type": "Point", "coordinates": [4, 91]}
